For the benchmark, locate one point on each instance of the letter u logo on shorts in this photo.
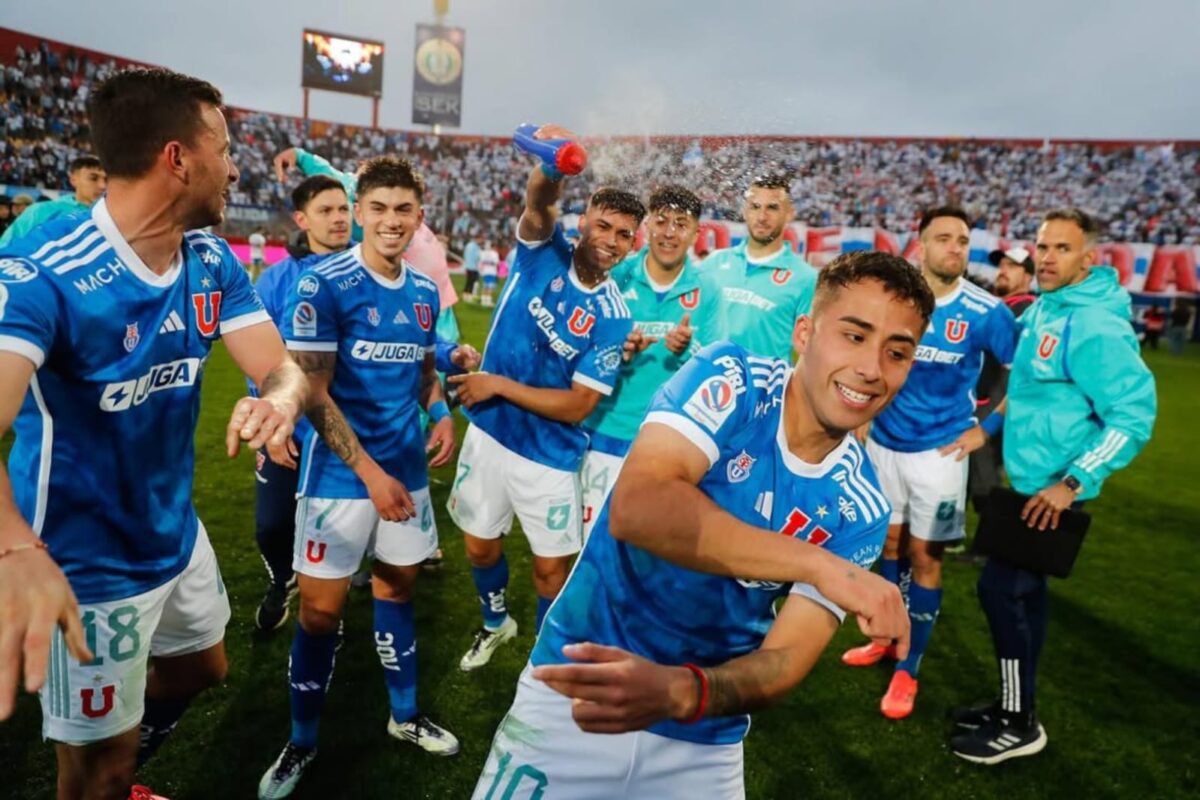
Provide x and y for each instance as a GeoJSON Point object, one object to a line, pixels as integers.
{"type": "Point", "coordinates": [208, 311]}
{"type": "Point", "coordinates": [690, 300]}
{"type": "Point", "coordinates": [581, 321]}
{"type": "Point", "coordinates": [1047, 345]}
{"type": "Point", "coordinates": [86, 697]}
{"type": "Point", "coordinates": [956, 330]}
{"type": "Point", "coordinates": [314, 555]}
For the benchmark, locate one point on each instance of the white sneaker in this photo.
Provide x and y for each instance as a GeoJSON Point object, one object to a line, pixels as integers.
{"type": "Point", "coordinates": [281, 779]}
{"type": "Point", "coordinates": [485, 644]}
{"type": "Point", "coordinates": [425, 734]}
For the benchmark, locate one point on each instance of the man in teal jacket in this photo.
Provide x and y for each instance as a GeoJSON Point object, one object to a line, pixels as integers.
{"type": "Point", "coordinates": [88, 180]}
{"type": "Point", "coordinates": [1081, 404]}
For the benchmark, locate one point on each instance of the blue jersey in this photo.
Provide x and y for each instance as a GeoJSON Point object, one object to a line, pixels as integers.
{"type": "Point", "coordinates": [937, 402]}
{"type": "Point", "coordinates": [381, 331]}
{"type": "Point", "coordinates": [731, 406]}
{"type": "Point", "coordinates": [103, 459]}
{"type": "Point", "coordinates": [549, 331]}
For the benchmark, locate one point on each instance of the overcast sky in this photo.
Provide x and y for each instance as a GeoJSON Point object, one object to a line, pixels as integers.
{"type": "Point", "coordinates": [1022, 68]}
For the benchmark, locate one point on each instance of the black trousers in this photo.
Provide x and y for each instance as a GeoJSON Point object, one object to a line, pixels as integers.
{"type": "Point", "coordinates": [275, 515]}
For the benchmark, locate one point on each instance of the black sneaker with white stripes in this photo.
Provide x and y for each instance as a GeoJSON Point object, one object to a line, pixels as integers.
{"type": "Point", "coordinates": [1004, 737]}
{"type": "Point", "coordinates": [273, 610]}
{"type": "Point", "coordinates": [976, 716]}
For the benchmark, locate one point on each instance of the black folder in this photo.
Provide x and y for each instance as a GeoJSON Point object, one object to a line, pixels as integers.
{"type": "Point", "coordinates": [1004, 535]}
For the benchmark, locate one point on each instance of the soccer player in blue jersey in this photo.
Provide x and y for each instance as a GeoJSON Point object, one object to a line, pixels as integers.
{"type": "Point", "coordinates": [87, 179]}
{"type": "Point", "coordinates": [361, 324]}
{"type": "Point", "coordinates": [106, 320]}
{"type": "Point", "coordinates": [666, 633]}
{"type": "Point", "coordinates": [555, 348]}
{"type": "Point", "coordinates": [322, 211]}
{"type": "Point", "coordinates": [910, 442]}
{"type": "Point", "coordinates": [669, 298]}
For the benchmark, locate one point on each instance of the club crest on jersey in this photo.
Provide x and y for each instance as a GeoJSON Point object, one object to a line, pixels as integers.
{"type": "Point", "coordinates": [373, 315]}
{"type": "Point", "coordinates": [1047, 345]}
{"type": "Point", "coordinates": [689, 300]}
{"type": "Point", "coordinates": [308, 286]}
{"type": "Point", "coordinates": [424, 315]}
{"type": "Point", "coordinates": [781, 276]}
{"type": "Point", "coordinates": [556, 284]}
{"type": "Point", "coordinates": [738, 468]}
{"type": "Point", "coordinates": [131, 337]}
{"type": "Point", "coordinates": [580, 321]}
{"type": "Point", "coordinates": [956, 330]}
{"type": "Point", "coordinates": [208, 311]}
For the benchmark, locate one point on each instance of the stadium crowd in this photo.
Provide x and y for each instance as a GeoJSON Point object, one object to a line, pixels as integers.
{"type": "Point", "coordinates": [1142, 192]}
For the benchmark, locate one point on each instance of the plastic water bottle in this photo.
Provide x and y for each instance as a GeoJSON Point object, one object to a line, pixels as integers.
{"type": "Point", "coordinates": [559, 156]}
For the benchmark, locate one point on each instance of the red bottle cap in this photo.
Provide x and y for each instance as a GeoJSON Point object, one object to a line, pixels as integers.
{"type": "Point", "coordinates": [571, 158]}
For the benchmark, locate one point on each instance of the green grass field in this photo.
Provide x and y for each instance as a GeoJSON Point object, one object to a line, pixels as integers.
{"type": "Point", "coordinates": [1119, 684]}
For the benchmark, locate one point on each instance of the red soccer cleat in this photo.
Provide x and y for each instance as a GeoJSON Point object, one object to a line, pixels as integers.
{"type": "Point", "coordinates": [900, 697]}
{"type": "Point", "coordinates": [868, 654]}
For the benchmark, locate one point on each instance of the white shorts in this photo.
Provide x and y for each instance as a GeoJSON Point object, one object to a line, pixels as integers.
{"type": "Point", "coordinates": [539, 753]}
{"type": "Point", "coordinates": [493, 482]}
{"type": "Point", "coordinates": [597, 475]}
{"type": "Point", "coordinates": [926, 489]}
{"type": "Point", "coordinates": [84, 704]}
{"type": "Point", "coordinates": [333, 535]}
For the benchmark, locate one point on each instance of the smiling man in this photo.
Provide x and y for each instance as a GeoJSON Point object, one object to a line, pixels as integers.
{"type": "Point", "coordinates": [361, 325]}
{"type": "Point", "coordinates": [554, 350]}
{"type": "Point", "coordinates": [765, 286]}
{"type": "Point", "coordinates": [87, 178]}
{"type": "Point", "coordinates": [666, 634]}
{"type": "Point", "coordinates": [913, 441]}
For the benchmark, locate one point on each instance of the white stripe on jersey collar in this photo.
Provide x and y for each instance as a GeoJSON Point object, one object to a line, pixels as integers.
{"type": "Point", "coordinates": [386, 283]}
{"type": "Point", "coordinates": [104, 222]}
{"type": "Point", "coordinates": [579, 284]}
{"type": "Point", "coordinates": [947, 299]}
{"type": "Point", "coordinates": [794, 463]}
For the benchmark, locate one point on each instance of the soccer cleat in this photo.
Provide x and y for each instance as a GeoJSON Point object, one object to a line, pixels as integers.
{"type": "Point", "coordinates": [1004, 737]}
{"type": "Point", "coordinates": [434, 562]}
{"type": "Point", "coordinates": [901, 694]}
{"type": "Point", "coordinates": [281, 779]}
{"type": "Point", "coordinates": [138, 792]}
{"type": "Point", "coordinates": [976, 716]}
{"type": "Point", "coordinates": [486, 643]}
{"type": "Point", "coordinates": [868, 654]}
{"type": "Point", "coordinates": [273, 610]}
{"type": "Point", "coordinates": [425, 734]}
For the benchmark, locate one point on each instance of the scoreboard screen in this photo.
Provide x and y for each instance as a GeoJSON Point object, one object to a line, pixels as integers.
{"type": "Point", "coordinates": [342, 64]}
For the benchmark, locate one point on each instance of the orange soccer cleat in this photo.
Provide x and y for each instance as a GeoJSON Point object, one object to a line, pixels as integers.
{"type": "Point", "coordinates": [868, 654]}
{"type": "Point", "coordinates": [901, 694]}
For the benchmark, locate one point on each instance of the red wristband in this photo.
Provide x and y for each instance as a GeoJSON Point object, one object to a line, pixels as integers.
{"type": "Point", "coordinates": [702, 706]}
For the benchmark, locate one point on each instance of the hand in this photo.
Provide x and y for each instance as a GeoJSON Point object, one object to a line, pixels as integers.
{"type": "Point", "coordinates": [680, 337]}
{"type": "Point", "coordinates": [34, 599]}
{"type": "Point", "coordinates": [477, 387]}
{"type": "Point", "coordinates": [1043, 508]}
{"type": "Point", "coordinates": [285, 455]}
{"type": "Point", "coordinates": [635, 343]}
{"type": "Point", "coordinates": [874, 601]}
{"type": "Point", "coordinates": [284, 162]}
{"type": "Point", "coordinates": [390, 497]}
{"type": "Point", "coordinates": [261, 421]}
{"type": "Point", "coordinates": [553, 132]}
{"type": "Point", "coordinates": [441, 441]}
{"type": "Point", "coordinates": [614, 691]}
{"type": "Point", "coordinates": [971, 440]}
{"type": "Point", "coordinates": [466, 357]}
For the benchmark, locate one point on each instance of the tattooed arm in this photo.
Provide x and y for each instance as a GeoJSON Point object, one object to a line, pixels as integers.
{"type": "Point", "coordinates": [390, 497]}
{"type": "Point", "coordinates": [616, 691]}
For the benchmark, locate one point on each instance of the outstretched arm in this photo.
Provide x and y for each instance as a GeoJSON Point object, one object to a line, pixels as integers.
{"type": "Point", "coordinates": [268, 419]}
{"type": "Point", "coordinates": [542, 194]}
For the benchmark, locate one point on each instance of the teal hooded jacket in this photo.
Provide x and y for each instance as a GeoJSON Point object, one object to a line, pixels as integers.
{"type": "Point", "coordinates": [1081, 401]}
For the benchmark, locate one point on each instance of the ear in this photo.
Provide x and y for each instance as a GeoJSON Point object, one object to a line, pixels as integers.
{"type": "Point", "coordinates": [300, 219]}
{"type": "Point", "coordinates": [421, 216]}
{"type": "Point", "coordinates": [802, 333]}
{"type": "Point", "coordinates": [174, 156]}
{"type": "Point", "coordinates": [358, 216]}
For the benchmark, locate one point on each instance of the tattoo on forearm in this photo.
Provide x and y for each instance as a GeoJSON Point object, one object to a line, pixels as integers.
{"type": "Point", "coordinates": [324, 414]}
{"type": "Point", "coordinates": [745, 684]}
